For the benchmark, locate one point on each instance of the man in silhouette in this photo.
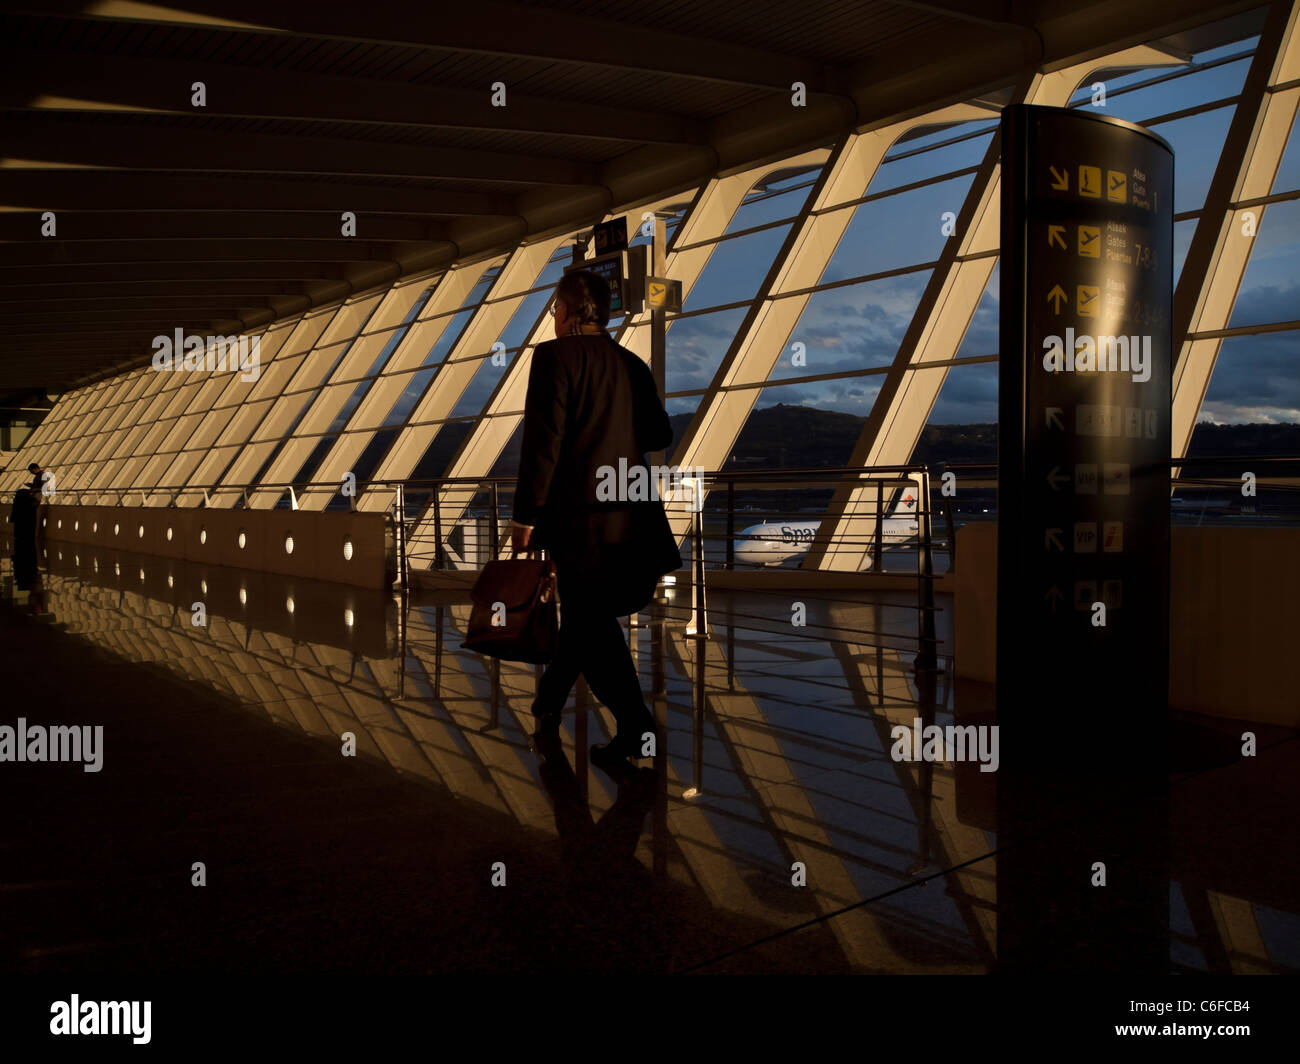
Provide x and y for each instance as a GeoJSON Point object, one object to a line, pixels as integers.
{"type": "Point", "coordinates": [592, 403]}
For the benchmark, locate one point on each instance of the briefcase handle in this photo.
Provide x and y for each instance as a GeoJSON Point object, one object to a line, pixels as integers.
{"type": "Point", "coordinates": [529, 552]}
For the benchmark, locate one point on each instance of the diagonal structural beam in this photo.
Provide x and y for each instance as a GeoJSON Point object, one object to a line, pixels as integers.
{"type": "Point", "coordinates": [706, 220]}
{"type": "Point", "coordinates": [938, 325]}
{"type": "Point", "coordinates": [1220, 248]}
{"type": "Point", "coordinates": [767, 326]}
{"type": "Point", "coordinates": [466, 358]}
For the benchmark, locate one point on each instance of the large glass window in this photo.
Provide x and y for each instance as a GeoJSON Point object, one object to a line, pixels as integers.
{"type": "Point", "coordinates": [901, 230]}
{"type": "Point", "coordinates": [1197, 142]}
{"type": "Point", "coordinates": [1288, 173]}
{"type": "Point", "coordinates": [1256, 380]}
{"type": "Point", "coordinates": [853, 327]}
{"type": "Point", "coordinates": [736, 269]}
{"type": "Point", "coordinates": [1270, 287]}
{"type": "Point", "coordinates": [695, 348]}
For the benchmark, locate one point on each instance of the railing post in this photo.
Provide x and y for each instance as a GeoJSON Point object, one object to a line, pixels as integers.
{"type": "Point", "coordinates": [437, 529]}
{"type": "Point", "coordinates": [927, 658]}
{"type": "Point", "coordinates": [699, 627]}
{"type": "Point", "coordinates": [731, 523]}
{"type": "Point", "coordinates": [699, 695]}
{"type": "Point", "coordinates": [877, 547]}
{"type": "Point", "coordinates": [402, 576]}
{"type": "Point", "coordinates": [952, 533]}
{"type": "Point", "coordinates": [492, 511]}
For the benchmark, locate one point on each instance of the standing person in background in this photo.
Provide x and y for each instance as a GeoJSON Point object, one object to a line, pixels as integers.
{"type": "Point", "coordinates": [38, 496]}
{"type": "Point", "coordinates": [23, 518]}
{"type": "Point", "coordinates": [592, 403]}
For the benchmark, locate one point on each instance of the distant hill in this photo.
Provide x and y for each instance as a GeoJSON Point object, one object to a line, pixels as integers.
{"type": "Point", "coordinates": [800, 437]}
{"type": "Point", "coordinates": [1257, 438]}
{"type": "Point", "coordinates": [789, 437]}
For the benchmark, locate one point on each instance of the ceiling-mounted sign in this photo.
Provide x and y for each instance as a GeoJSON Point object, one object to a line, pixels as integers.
{"type": "Point", "coordinates": [624, 272]}
{"type": "Point", "coordinates": [610, 236]}
{"type": "Point", "coordinates": [663, 293]}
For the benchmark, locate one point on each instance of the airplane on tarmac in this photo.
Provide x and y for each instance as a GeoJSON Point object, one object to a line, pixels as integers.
{"type": "Point", "coordinates": [774, 542]}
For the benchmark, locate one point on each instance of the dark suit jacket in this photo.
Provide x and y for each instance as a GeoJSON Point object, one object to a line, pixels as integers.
{"type": "Point", "coordinates": [591, 403]}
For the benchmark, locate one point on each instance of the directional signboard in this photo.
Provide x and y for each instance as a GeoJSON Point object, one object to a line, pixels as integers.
{"type": "Point", "coordinates": [1085, 396]}
{"type": "Point", "coordinates": [1084, 446]}
{"type": "Point", "coordinates": [625, 272]}
{"type": "Point", "coordinates": [663, 293]}
{"type": "Point", "coordinates": [610, 236]}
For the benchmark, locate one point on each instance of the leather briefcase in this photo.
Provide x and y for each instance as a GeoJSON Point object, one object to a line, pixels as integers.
{"type": "Point", "coordinates": [514, 613]}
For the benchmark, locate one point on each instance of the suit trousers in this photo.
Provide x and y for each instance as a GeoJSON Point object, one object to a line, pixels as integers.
{"type": "Point", "coordinates": [591, 644]}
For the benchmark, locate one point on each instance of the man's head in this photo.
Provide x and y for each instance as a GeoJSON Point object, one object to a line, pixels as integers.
{"type": "Point", "coordinates": [34, 468]}
{"type": "Point", "coordinates": [581, 298]}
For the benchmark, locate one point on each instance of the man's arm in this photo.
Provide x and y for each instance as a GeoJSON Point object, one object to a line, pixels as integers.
{"type": "Point", "coordinates": [544, 416]}
{"type": "Point", "coordinates": [654, 432]}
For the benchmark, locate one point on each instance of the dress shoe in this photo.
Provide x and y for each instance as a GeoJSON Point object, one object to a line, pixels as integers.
{"type": "Point", "coordinates": [619, 748]}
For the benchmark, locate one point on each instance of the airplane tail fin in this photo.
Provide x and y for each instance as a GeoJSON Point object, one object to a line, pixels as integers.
{"type": "Point", "coordinates": [909, 500]}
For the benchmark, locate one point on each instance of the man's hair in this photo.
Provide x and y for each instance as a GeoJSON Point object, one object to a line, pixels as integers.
{"type": "Point", "coordinates": [33, 465]}
{"type": "Point", "coordinates": [586, 297]}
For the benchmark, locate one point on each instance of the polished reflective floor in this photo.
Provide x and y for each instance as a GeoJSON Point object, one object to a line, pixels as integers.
{"type": "Point", "coordinates": [776, 832]}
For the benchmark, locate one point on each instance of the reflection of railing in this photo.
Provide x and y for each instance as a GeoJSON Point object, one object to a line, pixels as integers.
{"type": "Point", "coordinates": [1277, 475]}
{"type": "Point", "coordinates": [455, 523]}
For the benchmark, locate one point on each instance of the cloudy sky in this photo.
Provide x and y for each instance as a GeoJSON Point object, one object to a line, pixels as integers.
{"type": "Point", "coordinates": [860, 327]}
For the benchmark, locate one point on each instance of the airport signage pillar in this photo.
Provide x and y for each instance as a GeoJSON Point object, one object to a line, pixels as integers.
{"type": "Point", "coordinates": [1083, 533]}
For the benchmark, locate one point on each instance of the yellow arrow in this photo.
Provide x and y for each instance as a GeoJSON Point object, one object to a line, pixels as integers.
{"type": "Point", "coordinates": [1058, 294]}
{"type": "Point", "coordinates": [1056, 235]}
{"type": "Point", "coordinates": [1060, 179]}
{"type": "Point", "coordinates": [656, 291]}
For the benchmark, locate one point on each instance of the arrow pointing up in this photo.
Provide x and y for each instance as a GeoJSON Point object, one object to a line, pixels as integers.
{"type": "Point", "coordinates": [1056, 235]}
{"type": "Point", "coordinates": [1054, 417]}
{"type": "Point", "coordinates": [1053, 596]}
{"type": "Point", "coordinates": [1060, 179]}
{"type": "Point", "coordinates": [1056, 478]}
{"type": "Point", "coordinates": [1052, 539]}
{"type": "Point", "coordinates": [1057, 293]}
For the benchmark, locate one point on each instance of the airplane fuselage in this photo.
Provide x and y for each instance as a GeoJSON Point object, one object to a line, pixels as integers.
{"type": "Point", "coordinates": [775, 542]}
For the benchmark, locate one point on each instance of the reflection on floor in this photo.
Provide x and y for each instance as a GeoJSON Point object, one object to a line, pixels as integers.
{"type": "Point", "coordinates": [777, 835]}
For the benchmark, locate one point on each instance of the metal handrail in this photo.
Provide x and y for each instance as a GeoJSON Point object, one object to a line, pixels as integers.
{"type": "Point", "coordinates": [714, 477]}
